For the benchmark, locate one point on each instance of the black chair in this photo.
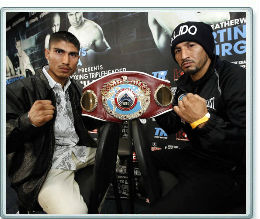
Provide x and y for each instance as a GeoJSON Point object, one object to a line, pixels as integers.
{"type": "Point", "coordinates": [105, 165]}
{"type": "Point", "coordinates": [125, 153]}
{"type": "Point", "coordinates": [154, 183]}
{"type": "Point", "coordinates": [148, 171]}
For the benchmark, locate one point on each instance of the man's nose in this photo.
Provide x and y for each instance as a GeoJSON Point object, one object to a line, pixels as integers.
{"type": "Point", "coordinates": [65, 59]}
{"type": "Point", "coordinates": [185, 54]}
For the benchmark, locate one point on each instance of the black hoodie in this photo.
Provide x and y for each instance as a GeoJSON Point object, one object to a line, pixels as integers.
{"type": "Point", "coordinates": [222, 140]}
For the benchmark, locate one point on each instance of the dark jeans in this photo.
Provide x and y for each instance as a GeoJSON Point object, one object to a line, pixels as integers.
{"type": "Point", "coordinates": [202, 187]}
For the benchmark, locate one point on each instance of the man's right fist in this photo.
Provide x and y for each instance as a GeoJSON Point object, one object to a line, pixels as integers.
{"type": "Point", "coordinates": [41, 112]}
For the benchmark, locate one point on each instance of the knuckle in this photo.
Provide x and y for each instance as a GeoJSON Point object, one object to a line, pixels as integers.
{"type": "Point", "coordinates": [39, 102]}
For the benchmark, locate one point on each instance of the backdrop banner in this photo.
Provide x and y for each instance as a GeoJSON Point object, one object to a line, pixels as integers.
{"type": "Point", "coordinates": [115, 41]}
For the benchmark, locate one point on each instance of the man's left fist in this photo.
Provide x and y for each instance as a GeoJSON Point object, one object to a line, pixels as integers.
{"type": "Point", "coordinates": [191, 108]}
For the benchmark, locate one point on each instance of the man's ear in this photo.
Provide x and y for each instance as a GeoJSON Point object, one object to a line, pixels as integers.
{"type": "Point", "coordinates": [47, 54]}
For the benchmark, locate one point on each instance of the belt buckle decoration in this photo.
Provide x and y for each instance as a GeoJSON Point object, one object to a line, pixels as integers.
{"type": "Point", "coordinates": [89, 101]}
{"type": "Point", "coordinates": [125, 99]}
{"type": "Point", "coordinates": [126, 96]}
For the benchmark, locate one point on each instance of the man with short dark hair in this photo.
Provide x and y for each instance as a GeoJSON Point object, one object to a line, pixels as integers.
{"type": "Point", "coordinates": [46, 133]}
{"type": "Point", "coordinates": [210, 106]}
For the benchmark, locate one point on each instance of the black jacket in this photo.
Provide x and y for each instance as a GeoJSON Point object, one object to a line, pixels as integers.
{"type": "Point", "coordinates": [31, 148]}
{"type": "Point", "coordinates": [222, 141]}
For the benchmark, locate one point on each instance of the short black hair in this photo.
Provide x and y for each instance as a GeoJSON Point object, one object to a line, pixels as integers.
{"type": "Point", "coordinates": [64, 36]}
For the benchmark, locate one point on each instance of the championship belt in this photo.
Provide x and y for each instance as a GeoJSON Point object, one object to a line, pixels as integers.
{"type": "Point", "coordinates": [126, 96]}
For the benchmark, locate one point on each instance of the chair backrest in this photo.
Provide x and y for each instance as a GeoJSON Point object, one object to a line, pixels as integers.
{"type": "Point", "coordinates": [85, 177]}
{"type": "Point", "coordinates": [148, 171]}
{"type": "Point", "coordinates": [105, 164]}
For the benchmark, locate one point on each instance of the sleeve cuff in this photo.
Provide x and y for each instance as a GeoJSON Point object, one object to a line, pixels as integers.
{"type": "Point", "coordinates": [210, 124]}
{"type": "Point", "coordinates": [25, 124]}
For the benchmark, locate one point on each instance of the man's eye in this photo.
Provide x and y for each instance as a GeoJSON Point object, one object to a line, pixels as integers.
{"type": "Point", "coordinates": [177, 51]}
{"type": "Point", "coordinates": [74, 54]}
{"type": "Point", "coordinates": [59, 51]}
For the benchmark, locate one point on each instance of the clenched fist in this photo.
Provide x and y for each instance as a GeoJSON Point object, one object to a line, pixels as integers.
{"type": "Point", "coordinates": [41, 112]}
{"type": "Point", "coordinates": [191, 108]}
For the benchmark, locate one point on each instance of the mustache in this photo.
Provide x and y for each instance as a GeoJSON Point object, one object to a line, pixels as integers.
{"type": "Point", "coordinates": [186, 60]}
{"type": "Point", "coordinates": [65, 66]}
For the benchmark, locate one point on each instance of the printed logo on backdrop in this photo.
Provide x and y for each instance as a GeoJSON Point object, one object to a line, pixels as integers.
{"type": "Point", "coordinates": [172, 147]}
{"type": "Point", "coordinates": [160, 74]}
{"type": "Point", "coordinates": [13, 79]}
{"type": "Point", "coordinates": [160, 133]}
{"type": "Point", "coordinates": [177, 73]}
{"type": "Point", "coordinates": [181, 136]}
{"type": "Point", "coordinates": [155, 147]}
{"type": "Point", "coordinates": [230, 39]}
{"type": "Point", "coordinates": [173, 90]}
{"type": "Point", "coordinates": [82, 53]}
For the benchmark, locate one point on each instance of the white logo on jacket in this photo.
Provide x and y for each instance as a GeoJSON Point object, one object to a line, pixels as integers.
{"type": "Point", "coordinates": [211, 103]}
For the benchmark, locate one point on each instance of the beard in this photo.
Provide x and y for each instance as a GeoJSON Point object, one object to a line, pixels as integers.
{"type": "Point", "coordinates": [191, 71]}
{"type": "Point", "coordinates": [198, 67]}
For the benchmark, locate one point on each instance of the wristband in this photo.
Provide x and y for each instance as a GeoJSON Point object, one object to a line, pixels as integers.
{"type": "Point", "coordinates": [199, 121]}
